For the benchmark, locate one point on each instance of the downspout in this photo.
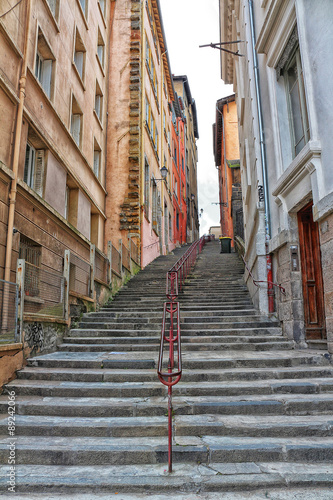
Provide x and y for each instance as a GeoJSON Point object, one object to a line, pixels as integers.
{"type": "Point", "coordinates": [16, 154]}
{"type": "Point", "coordinates": [270, 291]}
{"type": "Point", "coordinates": [142, 128]}
{"type": "Point", "coordinates": [225, 177]}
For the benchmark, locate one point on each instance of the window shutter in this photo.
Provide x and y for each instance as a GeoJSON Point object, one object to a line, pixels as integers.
{"type": "Point", "coordinates": [78, 59]}
{"type": "Point", "coordinates": [47, 76]}
{"type": "Point", "coordinates": [98, 100]}
{"type": "Point", "coordinates": [76, 128]}
{"type": "Point", "coordinates": [26, 164]}
{"type": "Point", "coordinates": [97, 157]}
{"type": "Point", "coordinates": [100, 53]}
{"type": "Point", "coordinates": [52, 4]}
{"type": "Point", "coordinates": [39, 173]}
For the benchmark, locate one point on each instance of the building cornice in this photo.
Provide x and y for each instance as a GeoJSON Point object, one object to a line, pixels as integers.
{"type": "Point", "coordinates": [299, 168]}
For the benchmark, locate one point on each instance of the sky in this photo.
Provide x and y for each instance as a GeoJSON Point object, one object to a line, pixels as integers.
{"type": "Point", "coordinates": [188, 24]}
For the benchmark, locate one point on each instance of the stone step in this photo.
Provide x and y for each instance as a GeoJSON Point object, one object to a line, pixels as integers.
{"type": "Point", "coordinates": [186, 339]}
{"type": "Point", "coordinates": [196, 309]}
{"type": "Point", "coordinates": [185, 425]}
{"type": "Point", "coordinates": [272, 404]}
{"type": "Point", "coordinates": [44, 450]}
{"type": "Point", "coordinates": [186, 346]}
{"type": "Point", "coordinates": [84, 332]}
{"type": "Point", "coordinates": [49, 388]}
{"type": "Point", "coordinates": [149, 375]}
{"type": "Point", "coordinates": [197, 361]}
{"type": "Point", "coordinates": [290, 479]}
{"type": "Point", "coordinates": [134, 315]}
{"type": "Point", "coordinates": [186, 324]}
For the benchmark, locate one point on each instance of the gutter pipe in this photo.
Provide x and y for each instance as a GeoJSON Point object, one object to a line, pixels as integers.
{"type": "Point", "coordinates": [17, 143]}
{"type": "Point", "coordinates": [270, 291]}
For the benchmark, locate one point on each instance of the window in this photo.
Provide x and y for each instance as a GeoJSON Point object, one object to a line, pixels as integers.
{"type": "Point", "coordinates": [34, 168]}
{"type": "Point", "coordinates": [100, 49]}
{"type": "Point", "coordinates": [54, 7]}
{"type": "Point", "coordinates": [67, 202]}
{"type": "Point", "coordinates": [76, 122]}
{"type": "Point", "coordinates": [176, 189]}
{"type": "Point", "coordinates": [297, 111]}
{"type": "Point", "coordinates": [98, 102]}
{"type": "Point", "coordinates": [170, 227]}
{"type": "Point", "coordinates": [97, 159]}
{"type": "Point", "coordinates": [31, 252]}
{"type": "Point", "coordinates": [102, 5]}
{"type": "Point", "coordinates": [146, 190]}
{"type": "Point", "coordinates": [44, 65]}
{"type": "Point", "coordinates": [79, 55]}
{"type": "Point", "coordinates": [151, 126]}
{"type": "Point", "coordinates": [151, 68]}
{"type": "Point", "coordinates": [177, 220]}
{"type": "Point", "coordinates": [84, 6]}
{"type": "Point", "coordinates": [154, 206]}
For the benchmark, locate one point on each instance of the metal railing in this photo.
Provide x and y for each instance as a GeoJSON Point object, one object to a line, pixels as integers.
{"type": "Point", "coordinates": [79, 275]}
{"type": "Point", "coordinates": [255, 282]}
{"type": "Point", "coordinates": [8, 311]}
{"type": "Point", "coordinates": [101, 267]}
{"type": "Point", "coordinates": [115, 261]}
{"type": "Point", "coordinates": [44, 292]}
{"type": "Point", "coordinates": [168, 372]}
{"type": "Point", "coordinates": [126, 258]}
{"type": "Point", "coordinates": [134, 252]}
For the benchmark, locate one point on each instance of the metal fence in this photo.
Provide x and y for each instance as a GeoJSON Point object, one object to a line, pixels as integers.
{"type": "Point", "coordinates": [79, 275]}
{"type": "Point", "coordinates": [44, 292]}
{"type": "Point", "coordinates": [126, 258]}
{"type": "Point", "coordinates": [134, 252]}
{"type": "Point", "coordinates": [101, 267]}
{"type": "Point", "coordinates": [8, 311]}
{"type": "Point", "coordinates": [115, 261]}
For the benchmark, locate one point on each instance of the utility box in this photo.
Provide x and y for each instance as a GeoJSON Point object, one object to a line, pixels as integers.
{"type": "Point", "coordinates": [225, 244]}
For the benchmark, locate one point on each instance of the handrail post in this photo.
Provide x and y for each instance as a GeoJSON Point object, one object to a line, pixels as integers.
{"type": "Point", "coordinates": [175, 280]}
{"type": "Point", "coordinates": [67, 260]}
{"type": "Point", "coordinates": [20, 275]}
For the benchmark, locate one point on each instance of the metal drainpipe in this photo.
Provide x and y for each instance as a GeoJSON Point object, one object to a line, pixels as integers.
{"type": "Point", "coordinates": [270, 291]}
{"type": "Point", "coordinates": [17, 143]}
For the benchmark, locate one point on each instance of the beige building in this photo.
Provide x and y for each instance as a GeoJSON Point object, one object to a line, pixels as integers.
{"type": "Point", "coordinates": [282, 86]}
{"type": "Point", "coordinates": [182, 88]}
{"type": "Point", "coordinates": [53, 93]}
{"type": "Point", "coordinates": [139, 130]}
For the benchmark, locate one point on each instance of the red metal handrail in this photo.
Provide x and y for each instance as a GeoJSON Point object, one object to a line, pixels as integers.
{"type": "Point", "coordinates": [175, 280]}
{"type": "Point", "coordinates": [282, 289]}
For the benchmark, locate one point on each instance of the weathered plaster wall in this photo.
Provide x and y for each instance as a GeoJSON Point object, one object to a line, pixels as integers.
{"type": "Point", "coordinates": [326, 241]}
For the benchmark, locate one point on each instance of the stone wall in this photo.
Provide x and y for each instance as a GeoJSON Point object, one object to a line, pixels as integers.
{"type": "Point", "coordinates": [326, 240]}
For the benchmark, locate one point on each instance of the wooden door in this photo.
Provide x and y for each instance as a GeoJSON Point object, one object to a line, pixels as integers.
{"type": "Point", "coordinates": [312, 280]}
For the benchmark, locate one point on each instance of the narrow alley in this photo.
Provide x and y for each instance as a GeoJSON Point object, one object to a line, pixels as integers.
{"type": "Point", "coordinates": [250, 412]}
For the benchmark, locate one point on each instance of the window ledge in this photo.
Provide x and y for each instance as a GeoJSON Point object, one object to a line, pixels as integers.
{"type": "Point", "coordinates": [299, 168]}
{"type": "Point", "coordinates": [100, 64]}
{"type": "Point", "coordinates": [82, 14]}
{"type": "Point", "coordinates": [98, 119]}
{"type": "Point", "coordinates": [53, 19]}
{"type": "Point", "coordinates": [79, 76]}
{"type": "Point", "coordinates": [102, 14]}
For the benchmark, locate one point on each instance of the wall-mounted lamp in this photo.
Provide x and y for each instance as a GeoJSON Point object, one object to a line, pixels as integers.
{"type": "Point", "coordinates": [201, 211]}
{"type": "Point", "coordinates": [164, 173]}
{"type": "Point", "coordinates": [192, 197]}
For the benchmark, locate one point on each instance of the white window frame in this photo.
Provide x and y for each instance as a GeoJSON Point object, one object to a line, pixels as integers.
{"type": "Point", "coordinates": [44, 71]}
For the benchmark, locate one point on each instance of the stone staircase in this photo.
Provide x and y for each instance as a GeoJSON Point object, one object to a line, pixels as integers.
{"type": "Point", "coordinates": [250, 412]}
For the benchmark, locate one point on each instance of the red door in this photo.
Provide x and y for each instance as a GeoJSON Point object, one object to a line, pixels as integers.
{"type": "Point", "coordinates": [312, 280]}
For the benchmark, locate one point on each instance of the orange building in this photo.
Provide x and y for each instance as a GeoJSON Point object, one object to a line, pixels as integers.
{"type": "Point", "coordinates": [226, 152]}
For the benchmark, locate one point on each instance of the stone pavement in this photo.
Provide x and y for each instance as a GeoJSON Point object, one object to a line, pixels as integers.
{"type": "Point", "coordinates": [252, 416]}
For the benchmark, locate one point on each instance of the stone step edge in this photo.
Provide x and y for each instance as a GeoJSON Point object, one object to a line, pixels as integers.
{"type": "Point", "coordinates": [185, 478]}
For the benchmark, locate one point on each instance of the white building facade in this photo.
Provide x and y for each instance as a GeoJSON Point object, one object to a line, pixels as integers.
{"type": "Point", "coordinates": [283, 83]}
